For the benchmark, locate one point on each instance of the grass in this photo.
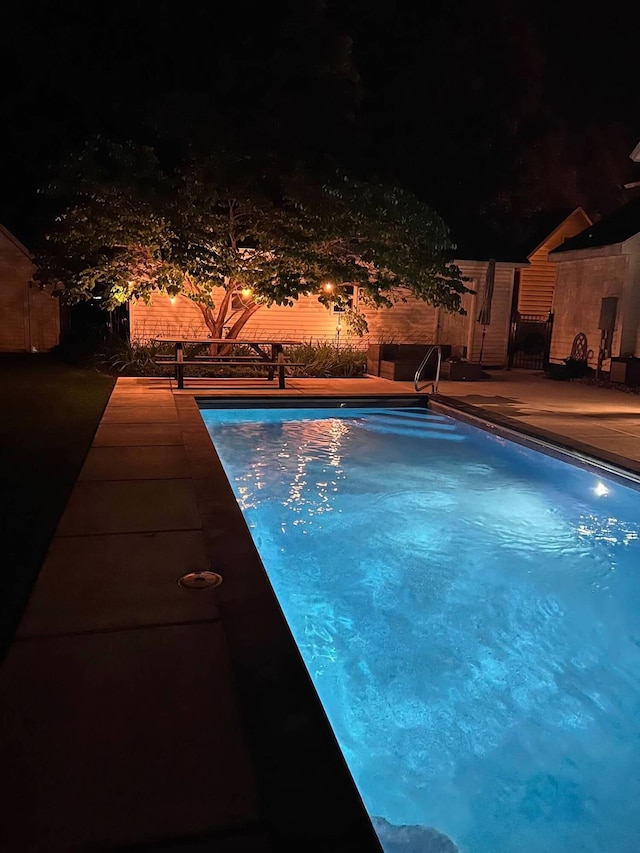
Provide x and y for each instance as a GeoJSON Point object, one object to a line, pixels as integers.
{"type": "Point", "coordinates": [50, 412]}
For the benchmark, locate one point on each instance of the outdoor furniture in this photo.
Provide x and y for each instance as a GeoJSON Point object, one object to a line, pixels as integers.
{"type": "Point", "coordinates": [269, 354]}
{"type": "Point", "coordinates": [579, 348]}
{"type": "Point", "coordinates": [458, 371]}
{"type": "Point", "coordinates": [399, 362]}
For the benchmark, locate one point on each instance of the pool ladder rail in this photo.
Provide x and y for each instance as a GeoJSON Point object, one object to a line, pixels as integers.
{"type": "Point", "coordinates": [423, 363]}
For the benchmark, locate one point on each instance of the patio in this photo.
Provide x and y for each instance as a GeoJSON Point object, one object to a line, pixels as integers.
{"type": "Point", "coordinates": [140, 715]}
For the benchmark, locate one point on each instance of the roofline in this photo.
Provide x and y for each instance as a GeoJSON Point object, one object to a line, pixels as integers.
{"type": "Point", "coordinates": [15, 241]}
{"type": "Point", "coordinates": [559, 226]}
{"type": "Point", "coordinates": [604, 250]}
{"type": "Point", "coordinates": [635, 154]}
{"type": "Point", "coordinates": [516, 264]}
{"type": "Point", "coordinates": [631, 242]}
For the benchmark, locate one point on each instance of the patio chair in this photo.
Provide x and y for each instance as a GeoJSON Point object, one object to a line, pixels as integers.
{"type": "Point", "coordinates": [579, 351]}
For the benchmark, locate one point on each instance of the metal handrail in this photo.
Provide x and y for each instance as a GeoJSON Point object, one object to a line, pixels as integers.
{"type": "Point", "coordinates": [416, 378]}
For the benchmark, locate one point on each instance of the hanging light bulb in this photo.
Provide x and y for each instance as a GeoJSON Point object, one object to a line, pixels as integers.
{"type": "Point", "coordinates": [327, 287]}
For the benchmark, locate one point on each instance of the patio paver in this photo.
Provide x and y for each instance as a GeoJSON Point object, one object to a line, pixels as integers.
{"type": "Point", "coordinates": [113, 738]}
{"type": "Point", "coordinates": [129, 506]}
{"type": "Point", "coordinates": [603, 421]}
{"type": "Point", "coordinates": [137, 435]}
{"type": "Point", "coordinates": [99, 583]}
{"type": "Point", "coordinates": [136, 414]}
{"type": "Point", "coordinates": [159, 462]}
{"type": "Point", "coordinates": [125, 396]}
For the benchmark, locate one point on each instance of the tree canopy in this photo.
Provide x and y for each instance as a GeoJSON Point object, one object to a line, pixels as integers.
{"type": "Point", "coordinates": [482, 110]}
{"type": "Point", "coordinates": [234, 231]}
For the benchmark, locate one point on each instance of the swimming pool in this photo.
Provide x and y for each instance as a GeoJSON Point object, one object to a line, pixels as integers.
{"type": "Point", "coordinates": [469, 612]}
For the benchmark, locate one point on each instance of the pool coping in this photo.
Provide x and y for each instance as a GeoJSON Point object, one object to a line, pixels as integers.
{"type": "Point", "coordinates": [560, 446]}
{"type": "Point", "coordinates": [547, 441]}
{"type": "Point", "coordinates": [309, 798]}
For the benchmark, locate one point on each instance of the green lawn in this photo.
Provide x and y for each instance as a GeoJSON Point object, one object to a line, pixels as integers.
{"type": "Point", "coordinates": [49, 412]}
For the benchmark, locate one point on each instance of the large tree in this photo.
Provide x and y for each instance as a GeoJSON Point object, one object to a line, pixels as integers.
{"type": "Point", "coordinates": [255, 229]}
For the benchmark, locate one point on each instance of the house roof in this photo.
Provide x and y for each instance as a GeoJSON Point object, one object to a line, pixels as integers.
{"type": "Point", "coordinates": [4, 231]}
{"type": "Point", "coordinates": [513, 239]}
{"type": "Point", "coordinates": [550, 223]}
{"type": "Point", "coordinates": [537, 228]}
{"type": "Point", "coordinates": [614, 228]}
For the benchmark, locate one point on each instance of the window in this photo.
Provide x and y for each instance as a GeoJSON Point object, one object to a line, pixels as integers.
{"type": "Point", "coordinates": [348, 293]}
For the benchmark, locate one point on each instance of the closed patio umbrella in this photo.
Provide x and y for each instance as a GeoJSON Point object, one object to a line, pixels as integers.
{"type": "Point", "coordinates": [484, 314]}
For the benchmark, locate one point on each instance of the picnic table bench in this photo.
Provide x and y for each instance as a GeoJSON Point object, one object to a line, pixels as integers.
{"type": "Point", "coordinates": [269, 354]}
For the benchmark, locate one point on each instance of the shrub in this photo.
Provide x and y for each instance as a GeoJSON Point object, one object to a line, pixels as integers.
{"type": "Point", "coordinates": [122, 358]}
{"type": "Point", "coordinates": [323, 359]}
{"type": "Point", "coordinates": [118, 357]}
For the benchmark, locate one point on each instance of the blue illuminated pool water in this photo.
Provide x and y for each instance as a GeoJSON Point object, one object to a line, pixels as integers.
{"type": "Point", "coordinates": [469, 611]}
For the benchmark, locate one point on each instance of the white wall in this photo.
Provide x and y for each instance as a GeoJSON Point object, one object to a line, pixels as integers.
{"type": "Point", "coordinates": [581, 283]}
{"type": "Point", "coordinates": [630, 306]}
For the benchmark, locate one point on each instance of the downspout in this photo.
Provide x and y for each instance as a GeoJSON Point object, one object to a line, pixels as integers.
{"type": "Point", "coordinates": [29, 336]}
{"type": "Point", "coordinates": [513, 317]}
{"type": "Point", "coordinates": [472, 320]}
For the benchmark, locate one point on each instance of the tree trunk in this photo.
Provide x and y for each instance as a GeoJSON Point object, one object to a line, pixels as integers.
{"type": "Point", "coordinates": [216, 322]}
{"type": "Point", "coordinates": [244, 318]}
{"type": "Point", "coordinates": [211, 324]}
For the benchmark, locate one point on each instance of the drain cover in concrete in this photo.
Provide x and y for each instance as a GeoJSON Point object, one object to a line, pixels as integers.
{"type": "Point", "coordinates": [200, 580]}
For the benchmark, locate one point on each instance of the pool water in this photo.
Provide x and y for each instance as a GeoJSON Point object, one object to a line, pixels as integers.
{"type": "Point", "coordinates": [469, 612]}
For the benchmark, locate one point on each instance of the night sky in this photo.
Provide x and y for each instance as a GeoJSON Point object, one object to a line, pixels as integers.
{"type": "Point", "coordinates": [499, 112]}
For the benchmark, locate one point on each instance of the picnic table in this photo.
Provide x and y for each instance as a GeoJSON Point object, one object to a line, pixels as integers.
{"type": "Point", "coordinates": [268, 353]}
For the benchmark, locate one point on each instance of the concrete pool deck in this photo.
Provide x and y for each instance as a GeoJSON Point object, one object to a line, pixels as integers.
{"type": "Point", "coordinates": [138, 715]}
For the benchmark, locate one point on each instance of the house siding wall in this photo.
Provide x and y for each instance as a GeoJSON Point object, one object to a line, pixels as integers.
{"type": "Point", "coordinates": [580, 286]}
{"type": "Point", "coordinates": [306, 320]}
{"type": "Point", "coordinates": [630, 306]}
{"type": "Point", "coordinates": [29, 317]}
{"type": "Point", "coordinates": [536, 284]}
{"type": "Point", "coordinates": [407, 322]}
{"type": "Point", "coordinates": [496, 339]}
{"type": "Point", "coordinates": [537, 281]}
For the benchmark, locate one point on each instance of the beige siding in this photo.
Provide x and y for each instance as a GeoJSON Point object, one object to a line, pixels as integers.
{"type": "Point", "coordinates": [306, 320]}
{"type": "Point", "coordinates": [408, 322]}
{"type": "Point", "coordinates": [496, 341]}
{"type": "Point", "coordinates": [538, 279]}
{"type": "Point", "coordinates": [630, 306]}
{"type": "Point", "coordinates": [580, 285]}
{"type": "Point", "coordinates": [536, 284]}
{"type": "Point", "coordinates": [165, 317]}
{"type": "Point", "coordinates": [44, 311]}
{"type": "Point", "coordinates": [464, 330]}
{"type": "Point", "coordinates": [29, 318]}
